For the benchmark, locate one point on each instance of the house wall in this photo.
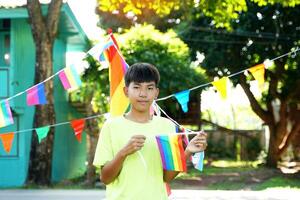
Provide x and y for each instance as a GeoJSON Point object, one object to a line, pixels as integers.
{"type": "Point", "coordinates": [68, 155]}
{"type": "Point", "coordinates": [14, 166]}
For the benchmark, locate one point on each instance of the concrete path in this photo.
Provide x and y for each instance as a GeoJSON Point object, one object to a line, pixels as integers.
{"type": "Point", "coordinates": [176, 195]}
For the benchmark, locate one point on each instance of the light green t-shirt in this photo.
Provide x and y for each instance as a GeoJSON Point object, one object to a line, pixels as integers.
{"type": "Point", "coordinates": [137, 180]}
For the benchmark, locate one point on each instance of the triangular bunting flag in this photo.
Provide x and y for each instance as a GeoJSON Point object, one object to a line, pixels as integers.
{"type": "Point", "coordinates": [197, 160]}
{"type": "Point", "coordinates": [221, 86]}
{"type": "Point", "coordinates": [78, 126]}
{"type": "Point", "coordinates": [36, 95]}
{"type": "Point", "coordinates": [42, 132]}
{"type": "Point", "coordinates": [258, 73]}
{"type": "Point", "coordinates": [5, 114]}
{"type": "Point", "coordinates": [168, 188]}
{"type": "Point", "coordinates": [154, 109]}
{"type": "Point", "coordinates": [7, 140]}
{"type": "Point", "coordinates": [70, 78]}
{"type": "Point", "coordinates": [183, 98]}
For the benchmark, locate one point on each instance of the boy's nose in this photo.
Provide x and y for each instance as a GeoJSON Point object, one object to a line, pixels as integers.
{"type": "Point", "coordinates": [143, 93]}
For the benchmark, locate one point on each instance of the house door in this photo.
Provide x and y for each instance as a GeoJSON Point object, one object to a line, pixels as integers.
{"type": "Point", "coordinates": [4, 57]}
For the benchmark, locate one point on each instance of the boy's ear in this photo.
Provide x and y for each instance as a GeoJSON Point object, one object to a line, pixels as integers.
{"type": "Point", "coordinates": [125, 90]}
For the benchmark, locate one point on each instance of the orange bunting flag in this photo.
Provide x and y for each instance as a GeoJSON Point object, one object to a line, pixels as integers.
{"type": "Point", "coordinates": [117, 69]}
{"type": "Point", "coordinates": [221, 86]}
{"type": "Point", "coordinates": [258, 72]}
{"type": "Point", "coordinates": [78, 126]}
{"type": "Point", "coordinates": [7, 140]}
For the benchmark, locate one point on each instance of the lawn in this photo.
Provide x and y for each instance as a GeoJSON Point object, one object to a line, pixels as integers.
{"type": "Point", "coordinates": [231, 175]}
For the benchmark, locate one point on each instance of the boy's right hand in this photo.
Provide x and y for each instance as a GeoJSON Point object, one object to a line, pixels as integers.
{"type": "Point", "coordinates": [135, 143]}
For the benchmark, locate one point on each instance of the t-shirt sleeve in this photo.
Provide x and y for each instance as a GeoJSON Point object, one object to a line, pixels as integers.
{"type": "Point", "coordinates": [104, 152]}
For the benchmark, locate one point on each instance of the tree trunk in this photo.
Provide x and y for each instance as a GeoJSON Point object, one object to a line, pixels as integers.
{"type": "Point", "coordinates": [272, 156]}
{"type": "Point", "coordinates": [44, 30]}
{"type": "Point", "coordinates": [91, 170]}
{"type": "Point", "coordinates": [296, 147]}
{"type": "Point", "coordinates": [41, 154]}
{"type": "Point", "coordinates": [92, 138]}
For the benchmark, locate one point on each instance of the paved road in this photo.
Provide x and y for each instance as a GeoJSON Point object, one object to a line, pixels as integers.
{"type": "Point", "coordinates": [176, 195]}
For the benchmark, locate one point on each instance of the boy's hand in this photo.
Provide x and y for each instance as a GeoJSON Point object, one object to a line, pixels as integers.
{"type": "Point", "coordinates": [197, 144]}
{"type": "Point", "coordinates": [135, 143]}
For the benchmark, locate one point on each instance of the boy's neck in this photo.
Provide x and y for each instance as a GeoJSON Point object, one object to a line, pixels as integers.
{"type": "Point", "coordinates": [140, 117]}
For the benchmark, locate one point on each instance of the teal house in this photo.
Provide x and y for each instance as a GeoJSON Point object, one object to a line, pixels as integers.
{"type": "Point", "coordinates": [17, 65]}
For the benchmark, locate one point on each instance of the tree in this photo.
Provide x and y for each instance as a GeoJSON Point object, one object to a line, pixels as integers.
{"type": "Point", "coordinates": [170, 55]}
{"type": "Point", "coordinates": [247, 32]}
{"type": "Point", "coordinates": [260, 33]}
{"type": "Point", "coordinates": [44, 31]}
{"type": "Point", "coordinates": [93, 96]}
{"type": "Point", "coordinates": [123, 13]}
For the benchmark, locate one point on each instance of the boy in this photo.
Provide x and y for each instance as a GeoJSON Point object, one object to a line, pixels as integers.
{"type": "Point", "coordinates": [127, 153]}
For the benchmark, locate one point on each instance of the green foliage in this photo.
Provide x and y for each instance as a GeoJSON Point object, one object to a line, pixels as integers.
{"type": "Point", "coordinates": [222, 12]}
{"type": "Point", "coordinates": [219, 150]}
{"type": "Point", "coordinates": [168, 53]}
{"type": "Point", "coordinates": [94, 89]}
{"type": "Point", "coordinates": [285, 3]}
{"type": "Point", "coordinates": [260, 33]}
{"type": "Point", "coordinates": [163, 12]}
{"type": "Point", "coordinates": [253, 148]}
{"type": "Point", "coordinates": [160, 7]}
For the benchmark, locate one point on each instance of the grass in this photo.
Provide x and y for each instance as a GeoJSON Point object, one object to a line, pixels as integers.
{"type": "Point", "coordinates": [279, 182]}
{"type": "Point", "coordinates": [227, 185]}
{"type": "Point", "coordinates": [232, 175]}
{"type": "Point", "coordinates": [221, 166]}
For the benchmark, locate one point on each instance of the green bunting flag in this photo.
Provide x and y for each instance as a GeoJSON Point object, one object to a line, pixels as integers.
{"type": "Point", "coordinates": [42, 132]}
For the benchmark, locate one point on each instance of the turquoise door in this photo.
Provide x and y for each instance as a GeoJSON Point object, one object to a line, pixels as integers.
{"type": "Point", "coordinates": [4, 57]}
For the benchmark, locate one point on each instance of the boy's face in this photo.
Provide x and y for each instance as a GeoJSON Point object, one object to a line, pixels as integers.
{"type": "Point", "coordinates": [141, 95]}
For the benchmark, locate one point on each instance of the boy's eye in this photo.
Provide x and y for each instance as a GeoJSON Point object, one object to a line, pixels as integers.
{"type": "Point", "coordinates": [151, 88]}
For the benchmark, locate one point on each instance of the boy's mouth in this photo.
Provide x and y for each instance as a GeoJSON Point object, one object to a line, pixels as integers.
{"type": "Point", "coordinates": [142, 101]}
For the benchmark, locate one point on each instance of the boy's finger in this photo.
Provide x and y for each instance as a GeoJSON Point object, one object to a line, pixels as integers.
{"type": "Point", "coordinates": [140, 136]}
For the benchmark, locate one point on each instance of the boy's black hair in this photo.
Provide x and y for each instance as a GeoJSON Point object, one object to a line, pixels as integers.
{"type": "Point", "coordinates": [142, 72]}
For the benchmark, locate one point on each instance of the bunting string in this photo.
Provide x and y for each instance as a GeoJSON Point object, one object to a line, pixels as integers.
{"type": "Point", "coordinates": [70, 80]}
{"type": "Point", "coordinates": [160, 99]}
{"type": "Point", "coordinates": [52, 76]}
{"type": "Point", "coordinates": [60, 124]}
{"type": "Point", "coordinates": [293, 52]}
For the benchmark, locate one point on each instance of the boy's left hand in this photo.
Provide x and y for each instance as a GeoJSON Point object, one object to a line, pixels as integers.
{"type": "Point", "coordinates": [197, 144]}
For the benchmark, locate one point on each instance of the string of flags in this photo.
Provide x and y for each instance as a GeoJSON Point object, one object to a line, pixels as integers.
{"type": "Point", "coordinates": [108, 54]}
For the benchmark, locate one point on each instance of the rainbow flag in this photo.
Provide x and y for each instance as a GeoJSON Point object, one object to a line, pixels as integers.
{"type": "Point", "coordinates": [98, 51]}
{"type": "Point", "coordinates": [5, 114]}
{"type": "Point", "coordinates": [117, 69]}
{"type": "Point", "coordinates": [36, 95]}
{"type": "Point", "coordinates": [171, 152]}
{"type": "Point", "coordinates": [69, 78]}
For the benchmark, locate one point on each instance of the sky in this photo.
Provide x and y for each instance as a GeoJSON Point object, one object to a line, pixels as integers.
{"type": "Point", "coordinates": [84, 11]}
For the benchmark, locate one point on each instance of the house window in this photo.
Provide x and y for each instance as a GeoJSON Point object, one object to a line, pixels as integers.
{"type": "Point", "coordinates": [4, 57]}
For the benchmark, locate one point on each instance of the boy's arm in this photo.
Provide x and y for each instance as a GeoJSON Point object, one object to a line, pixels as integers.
{"type": "Point", "coordinates": [197, 144]}
{"type": "Point", "coordinates": [111, 170]}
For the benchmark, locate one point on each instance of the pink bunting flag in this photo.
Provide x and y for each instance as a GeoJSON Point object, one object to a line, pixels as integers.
{"type": "Point", "coordinates": [70, 78]}
{"type": "Point", "coordinates": [36, 95]}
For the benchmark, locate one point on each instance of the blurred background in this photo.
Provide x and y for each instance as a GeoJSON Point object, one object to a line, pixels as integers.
{"type": "Point", "coordinates": [253, 133]}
